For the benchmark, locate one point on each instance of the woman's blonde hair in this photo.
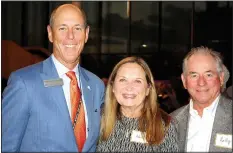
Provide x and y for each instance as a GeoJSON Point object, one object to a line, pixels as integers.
{"type": "Point", "coordinates": [152, 117]}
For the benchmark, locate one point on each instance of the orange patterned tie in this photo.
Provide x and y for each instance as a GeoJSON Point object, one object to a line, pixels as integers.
{"type": "Point", "coordinates": [79, 123]}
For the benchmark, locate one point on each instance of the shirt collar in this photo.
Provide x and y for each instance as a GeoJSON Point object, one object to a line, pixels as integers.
{"type": "Point", "coordinates": [61, 69]}
{"type": "Point", "coordinates": [211, 109]}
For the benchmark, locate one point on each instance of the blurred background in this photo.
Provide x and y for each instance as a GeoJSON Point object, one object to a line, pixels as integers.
{"type": "Point", "coordinates": [161, 32]}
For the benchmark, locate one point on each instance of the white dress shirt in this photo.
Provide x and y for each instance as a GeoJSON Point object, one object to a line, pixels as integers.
{"type": "Point", "coordinates": [62, 70]}
{"type": "Point", "coordinates": [200, 128]}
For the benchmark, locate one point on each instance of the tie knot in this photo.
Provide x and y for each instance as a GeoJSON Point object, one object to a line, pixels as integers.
{"type": "Point", "coordinates": [71, 75]}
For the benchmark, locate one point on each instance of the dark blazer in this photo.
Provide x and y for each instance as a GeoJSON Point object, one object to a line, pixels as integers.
{"type": "Point", "coordinates": [35, 118]}
{"type": "Point", "coordinates": [222, 124]}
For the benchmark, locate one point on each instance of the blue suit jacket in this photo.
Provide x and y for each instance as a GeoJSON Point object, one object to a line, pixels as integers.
{"type": "Point", "coordinates": [35, 118]}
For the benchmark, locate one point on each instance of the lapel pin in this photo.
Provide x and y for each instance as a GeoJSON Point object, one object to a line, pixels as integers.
{"type": "Point", "coordinates": [88, 87]}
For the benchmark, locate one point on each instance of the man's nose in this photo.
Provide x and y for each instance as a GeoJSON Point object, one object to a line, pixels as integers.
{"type": "Point", "coordinates": [70, 34]}
{"type": "Point", "coordinates": [201, 81]}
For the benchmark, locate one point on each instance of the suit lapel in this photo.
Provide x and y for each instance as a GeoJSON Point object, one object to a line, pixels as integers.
{"type": "Point", "coordinates": [182, 127]}
{"type": "Point", "coordinates": [220, 124]}
{"type": "Point", "coordinates": [56, 92]}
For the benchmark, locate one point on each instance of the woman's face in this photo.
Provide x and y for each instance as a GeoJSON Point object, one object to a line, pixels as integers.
{"type": "Point", "coordinates": [130, 86]}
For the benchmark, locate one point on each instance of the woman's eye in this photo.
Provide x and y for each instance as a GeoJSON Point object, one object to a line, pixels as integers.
{"type": "Point", "coordinates": [122, 80]}
{"type": "Point", "coordinates": [138, 81]}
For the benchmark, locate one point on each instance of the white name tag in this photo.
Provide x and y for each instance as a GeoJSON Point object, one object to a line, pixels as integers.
{"type": "Point", "coordinates": [223, 140]}
{"type": "Point", "coordinates": [53, 82]}
{"type": "Point", "coordinates": [138, 136]}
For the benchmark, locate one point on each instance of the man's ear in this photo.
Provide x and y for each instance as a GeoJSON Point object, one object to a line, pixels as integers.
{"type": "Point", "coordinates": [221, 77]}
{"type": "Point", "coordinates": [183, 80]}
{"type": "Point", "coordinates": [87, 33]}
{"type": "Point", "coordinates": [50, 33]}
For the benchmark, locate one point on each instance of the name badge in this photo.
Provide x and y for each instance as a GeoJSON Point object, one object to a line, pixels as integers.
{"type": "Point", "coordinates": [223, 140]}
{"type": "Point", "coordinates": [53, 82]}
{"type": "Point", "coordinates": [138, 136]}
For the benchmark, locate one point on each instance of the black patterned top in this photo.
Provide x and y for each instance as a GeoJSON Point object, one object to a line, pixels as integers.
{"type": "Point", "coordinates": [119, 140]}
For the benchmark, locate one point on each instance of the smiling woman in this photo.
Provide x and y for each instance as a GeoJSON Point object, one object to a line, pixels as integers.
{"type": "Point", "coordinates": [132, 120]}
{"type": "Point", "coordinates": [130, 88]}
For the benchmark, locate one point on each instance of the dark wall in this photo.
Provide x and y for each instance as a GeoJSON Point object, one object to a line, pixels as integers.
{"type": "Point", "coordinates": [174, 29]}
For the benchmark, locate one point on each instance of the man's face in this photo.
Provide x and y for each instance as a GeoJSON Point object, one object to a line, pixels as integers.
{"type": "Point", "coordinates": [201, 79]}
{"type": "Point", "coordinates": [68, 35]}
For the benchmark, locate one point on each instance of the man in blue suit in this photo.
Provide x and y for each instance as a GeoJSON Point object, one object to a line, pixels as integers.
{"type": "Point", "coordinates": [36, 102]}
